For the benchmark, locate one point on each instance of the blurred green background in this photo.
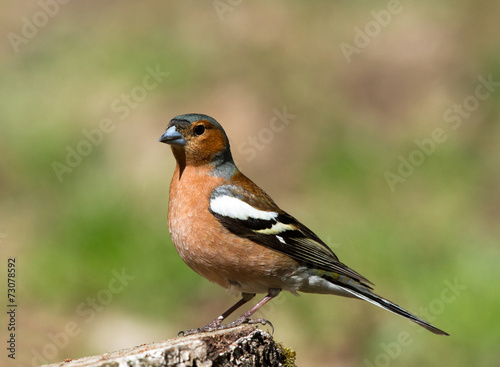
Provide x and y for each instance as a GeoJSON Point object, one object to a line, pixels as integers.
{"type": "Point", "coordinates": [363, 82]}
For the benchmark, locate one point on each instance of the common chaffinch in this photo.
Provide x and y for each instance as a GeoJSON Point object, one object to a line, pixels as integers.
{"type": "Point", "coordinates": [228, 230]}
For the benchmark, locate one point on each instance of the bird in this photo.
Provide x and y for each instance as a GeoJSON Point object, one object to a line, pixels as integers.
{"type": "Point", "coordinates": [228, 230]}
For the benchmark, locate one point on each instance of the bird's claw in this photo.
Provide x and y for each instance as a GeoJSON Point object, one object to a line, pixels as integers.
{"type": "Point", "coordinates": [214, 326]}
{"type": "Point", "coordinates": [204, 329]}
{"type": "Point", "coordinates": [262, 322]}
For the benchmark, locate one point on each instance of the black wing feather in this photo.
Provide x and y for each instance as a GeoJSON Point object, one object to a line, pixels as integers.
{"type": "Point", "coordinates": [298, 242]}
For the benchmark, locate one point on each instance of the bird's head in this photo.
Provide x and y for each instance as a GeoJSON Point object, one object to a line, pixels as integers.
{"type": "Point", "coordinates": [197, 140]}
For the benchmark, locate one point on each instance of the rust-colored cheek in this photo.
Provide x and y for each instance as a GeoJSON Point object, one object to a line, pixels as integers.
{"type": "Point", "coordinates": [202, 151]}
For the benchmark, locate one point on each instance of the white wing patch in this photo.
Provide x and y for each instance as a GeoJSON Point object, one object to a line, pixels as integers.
{"type": "Point", "coordinates": [277, 228]}
{"type": "Point", "coordinates": [281, 239]}
{"type": "Point", "coordinates": [232, 207]}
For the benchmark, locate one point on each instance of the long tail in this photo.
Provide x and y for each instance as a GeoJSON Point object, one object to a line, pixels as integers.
{"type": "Point", "coordinates": [361, 291]}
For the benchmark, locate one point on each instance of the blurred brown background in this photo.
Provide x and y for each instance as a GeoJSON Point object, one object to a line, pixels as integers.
{"type": "Point", "coordinates": [375, 123]}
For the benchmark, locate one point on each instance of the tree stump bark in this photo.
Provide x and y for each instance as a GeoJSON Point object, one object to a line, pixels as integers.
{"type": "Point", "coordinates": [244, 345]}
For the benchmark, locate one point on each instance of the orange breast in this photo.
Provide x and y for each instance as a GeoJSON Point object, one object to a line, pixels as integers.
{"type": "Point", "coordinates": [210, 249]}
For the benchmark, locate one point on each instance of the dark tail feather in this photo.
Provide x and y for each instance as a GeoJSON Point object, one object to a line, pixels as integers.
{"type": "Point", "coordinates": [371, 297]}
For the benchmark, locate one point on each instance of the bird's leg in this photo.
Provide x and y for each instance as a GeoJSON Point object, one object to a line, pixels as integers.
{"type": "Point", "coordinates": [245, 318]}
{"type": "Point", "coordinates": [216, 324]}
{"type": "Point", "coordinates": [245, 298]}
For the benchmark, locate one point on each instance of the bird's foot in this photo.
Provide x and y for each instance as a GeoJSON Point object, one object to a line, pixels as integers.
{"type": "Point", "coordinates": [244, 320]}
{"type": "Point", "coordinates": [214, 326]}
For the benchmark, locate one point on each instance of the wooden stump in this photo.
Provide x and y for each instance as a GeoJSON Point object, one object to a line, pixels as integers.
{"type": "Point", "coordinates": [244, 345]}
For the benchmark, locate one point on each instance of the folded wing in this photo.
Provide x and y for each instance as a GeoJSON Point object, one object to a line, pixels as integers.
{"type": "Point", "coordinates": [263, 222]}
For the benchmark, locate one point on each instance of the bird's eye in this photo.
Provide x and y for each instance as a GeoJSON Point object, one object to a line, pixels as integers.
{"type": "Point", "coordinates": [199, 130]}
